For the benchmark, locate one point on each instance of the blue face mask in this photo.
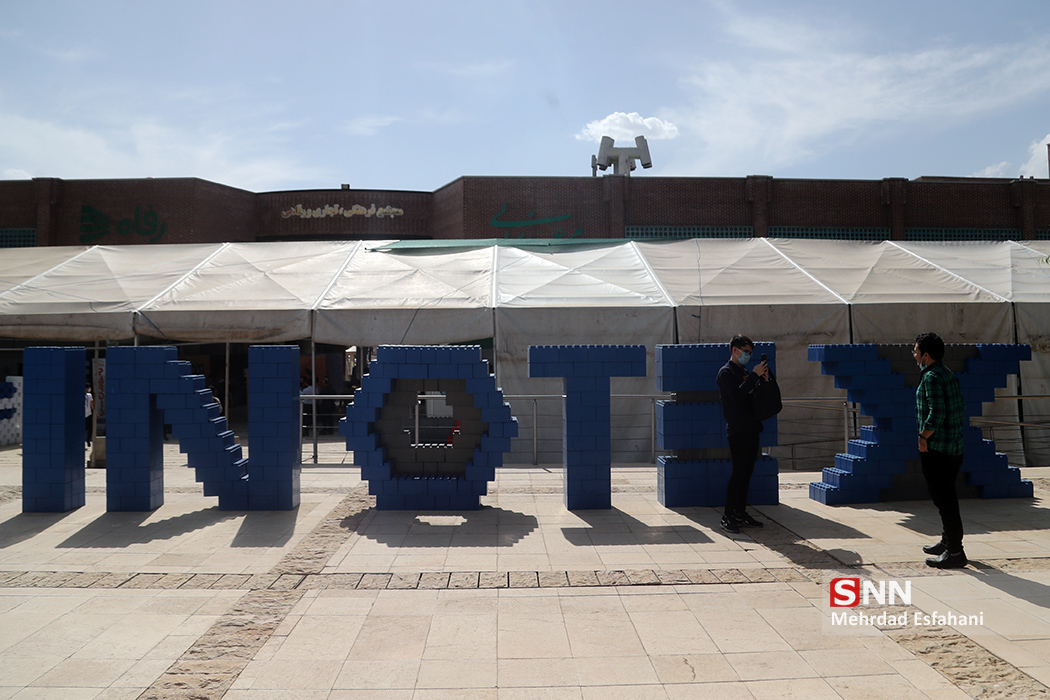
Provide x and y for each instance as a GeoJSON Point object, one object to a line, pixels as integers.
{"type": "Point", "coordinates": [745, 357]}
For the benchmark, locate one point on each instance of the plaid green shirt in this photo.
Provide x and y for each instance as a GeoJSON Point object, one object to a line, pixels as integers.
{"type": "Point", "coordinates": [939, 406]}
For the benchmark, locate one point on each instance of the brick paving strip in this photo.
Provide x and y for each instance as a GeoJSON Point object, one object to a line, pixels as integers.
{"type": "Point", "coordinates": [442, 580]}
{"type": "Point", "coordinates": [208, 668]}
{"type": "Point", "coordinates": [10, 493]}
{"type": "Point", "coordinates": [966, 664]}
{"type": "Point", "coordinates": [970, 667]}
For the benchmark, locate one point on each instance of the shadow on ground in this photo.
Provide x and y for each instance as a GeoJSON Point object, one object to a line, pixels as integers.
{"type": "Point", "coordinates": [25, 526]}
{"type": "Point", "coordinates": [1032, 591]}
{"type": "Point", "coordinates": [980, 516]}
{"type": "Point", "coordinates": [787, 531]}
{"type": "Point", "coordinates": [613, 527]}
{"type": "Point", "coordinates": [487, 526]}
{"type": "Point", "coordinates": [120, 529]}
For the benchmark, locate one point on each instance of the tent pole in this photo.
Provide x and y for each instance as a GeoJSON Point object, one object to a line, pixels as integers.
{"type": "Point", "coordinates": [226, 388]}
{"type": "Point", "coordinates": [1020, 387]}
{"type": "Point", "coordinates": [94, 409]}
{"type": "Point", "coordinates": [699, 292]}
{"type": "Point", "coordinates": [845, 404]}
{"type": "Point", "coordinates": [313, 380]}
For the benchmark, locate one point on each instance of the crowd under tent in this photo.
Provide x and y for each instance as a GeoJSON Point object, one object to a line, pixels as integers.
{"type": "Point", "coordinates": [793, 292]}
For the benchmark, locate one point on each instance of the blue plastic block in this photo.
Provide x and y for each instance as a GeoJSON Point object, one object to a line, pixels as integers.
{"type": "Point", "coordinates": [423, 362]}
{"type": "Point", "coordinates": [883, 396]}
{"type": "Point", "coordinates": [53, 429]}
{"type": "Point", "coordinates": [275, 466]}
{"type": "Point", "coordinates": [703, 483]}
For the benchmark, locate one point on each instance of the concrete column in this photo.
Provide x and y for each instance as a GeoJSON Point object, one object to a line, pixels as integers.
{"type": "Point", "coordinates": [895, 196]}
{"type": "Point", "coordinates": [760, 197]}
{"type": "Point", "coordinates": [48, 193]}
{"type": "Point", "coordinates": [615, 189]}
{"type": "Point", "coordinates": [1022, 197]}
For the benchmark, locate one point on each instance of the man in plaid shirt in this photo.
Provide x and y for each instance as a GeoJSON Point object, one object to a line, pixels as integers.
{"type": "Point", "coordinates": [940, 412]}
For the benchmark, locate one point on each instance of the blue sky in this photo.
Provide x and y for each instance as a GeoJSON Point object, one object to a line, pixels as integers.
{"type": "Point", "coordinates": [269, 95]}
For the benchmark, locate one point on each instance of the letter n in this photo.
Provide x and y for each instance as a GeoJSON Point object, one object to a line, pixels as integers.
{"type": "Point", "coordinates": [53, 430]}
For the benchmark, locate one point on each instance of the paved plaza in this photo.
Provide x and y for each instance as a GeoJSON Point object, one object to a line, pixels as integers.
{"type": "Point", "coordinates": [520, 599]}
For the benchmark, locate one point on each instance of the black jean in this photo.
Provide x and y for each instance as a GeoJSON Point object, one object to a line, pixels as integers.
{"type": "Point", "coordinates": [941, 470]}
{"type": "Point", "coordinates": [743, 448]}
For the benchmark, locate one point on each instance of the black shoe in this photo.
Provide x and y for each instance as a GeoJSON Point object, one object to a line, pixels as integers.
{"type": "Point", "coordinates": [745, 520]}
{"type": "Point", "coordinates": [948, 561]}
{"type": "Point", "coordinates": [935, 549]}
{"type": "Point", "coordinates": [730, 524]}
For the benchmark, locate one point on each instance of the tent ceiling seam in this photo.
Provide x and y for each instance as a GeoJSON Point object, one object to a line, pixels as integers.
{"type": "Point", "coordinates": [48, 271]}
{"type": "Point", "coordinates": [562, 271]}
{"type": "Point", "coordinates": [945, 270]}
{"type": "Point", "coordinates": [339, 273]}
{"type": "Point", "coordinates": [140, 311]}
{"type": "Point", "coordinates": [798, 267]}
{"type": "Point", "coordinates": [180, 280]}
{"type": "Point", "coordinates": [652, 275]}
{"type": "Point", "coordinates": [1039, 254]}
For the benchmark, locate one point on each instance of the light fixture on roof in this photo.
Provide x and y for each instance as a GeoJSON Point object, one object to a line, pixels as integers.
{"type": "Point", "coordinates": [623, 158]}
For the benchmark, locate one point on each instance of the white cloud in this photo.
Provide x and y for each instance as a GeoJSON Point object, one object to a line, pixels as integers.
{"type": "Point", "coordinates": [1038, 161]}
{"type": "Point", "coordinates": [369, 125]}
{"type": "Point", "coordinates": [145, 149]}
{"type": "Point", "coordinates": [486, 69]}
{"type": "Point", "coordinates": [997, 170]}
{"type": "Point", "coordinates": [1035, 166]}
{"type": "Point", "coordinates": [623, 126]}
{"type": "Point", "coordinates": [372, 125]}
{"type": "Point", "coordinates": [787, 101]}
{"type": "Point", "coordinates": [71, 54]}
{"type": "Point", "coordinates": [16, 174]}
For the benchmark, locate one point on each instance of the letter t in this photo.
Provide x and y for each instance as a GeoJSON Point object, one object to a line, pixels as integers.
{"type": "Point", "coordinates": [586, 441]}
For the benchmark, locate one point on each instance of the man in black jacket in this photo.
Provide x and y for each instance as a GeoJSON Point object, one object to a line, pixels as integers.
{"type": "Point", "coordinates": [736, 384]}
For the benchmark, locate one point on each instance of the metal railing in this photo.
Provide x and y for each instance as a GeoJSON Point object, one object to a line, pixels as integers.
{"type": "Point", "coordinates": [313, 400]}
{"type": "Point", "coordinates": [536, 398]}
{"type": "Point", "coordinates": [851, 416]}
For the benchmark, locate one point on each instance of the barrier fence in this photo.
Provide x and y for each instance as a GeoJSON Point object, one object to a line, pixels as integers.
{"type": "Point", "coordinates": [805, 434]}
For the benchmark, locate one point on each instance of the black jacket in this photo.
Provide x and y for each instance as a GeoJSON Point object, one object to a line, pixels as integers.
{"type": "Point", "coordinates": [735, 385]}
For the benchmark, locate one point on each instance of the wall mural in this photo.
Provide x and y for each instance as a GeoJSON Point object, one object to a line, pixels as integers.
{"type": "Point", "coordinates": [531, 221]}
{"type": "Point", "coordinates": [328, 210]}
{"type": "Point", "coordinates": [94, 224]}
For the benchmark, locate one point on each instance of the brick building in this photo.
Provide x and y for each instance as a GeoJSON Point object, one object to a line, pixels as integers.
{"type": "Point", "coordinates": [51, 211]}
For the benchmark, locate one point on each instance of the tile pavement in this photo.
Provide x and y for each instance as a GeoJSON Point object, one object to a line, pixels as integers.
{"type": "Point", "coordinates": [522, 599]}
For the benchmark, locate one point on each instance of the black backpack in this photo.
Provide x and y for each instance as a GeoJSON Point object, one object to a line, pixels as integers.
{"type": "Point", "coordinates": [766, 396]}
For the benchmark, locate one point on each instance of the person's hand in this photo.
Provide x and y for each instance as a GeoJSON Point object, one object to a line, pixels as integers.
{"type": "Point", "coordinates": [762, 369]}
{"type": "Point", "coordinates": [922, 444]}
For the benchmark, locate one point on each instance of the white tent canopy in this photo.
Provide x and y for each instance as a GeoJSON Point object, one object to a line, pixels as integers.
{"type": "Point", "coordinates": [791, 291]}
{"type": "Point", "coordinates": [259, 292]}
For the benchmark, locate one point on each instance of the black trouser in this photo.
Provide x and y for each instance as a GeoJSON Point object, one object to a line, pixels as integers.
{"type": "Point", "coordinates": [941, 471]}
{"type": "Point", "coordinates": [743, 448]}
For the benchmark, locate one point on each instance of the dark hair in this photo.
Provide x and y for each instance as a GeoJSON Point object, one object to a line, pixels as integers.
{"type": "Point", "coordinates": [740, 341]}
{"type": "Point", "coordinates": [931, 344]}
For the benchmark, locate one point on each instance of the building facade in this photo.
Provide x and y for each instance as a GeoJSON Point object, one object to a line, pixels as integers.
{"type": "Point", "coordinates": [52, 211]}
